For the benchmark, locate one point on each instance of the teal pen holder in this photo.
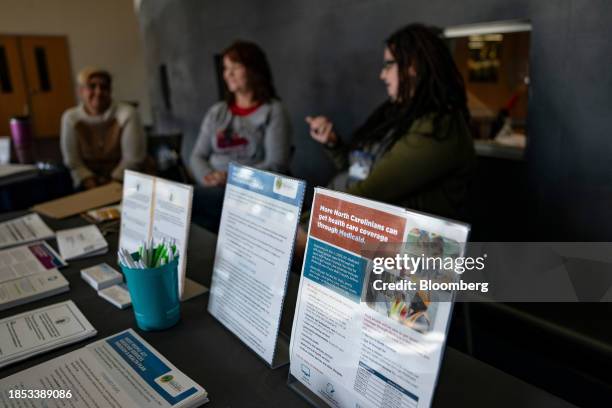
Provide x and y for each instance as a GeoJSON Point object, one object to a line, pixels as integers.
{"type": "Point", "coordinates": [155, 295]}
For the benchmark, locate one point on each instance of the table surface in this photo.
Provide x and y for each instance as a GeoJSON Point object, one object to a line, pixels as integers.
{"type": "Point", "coordinates": [231, 373]}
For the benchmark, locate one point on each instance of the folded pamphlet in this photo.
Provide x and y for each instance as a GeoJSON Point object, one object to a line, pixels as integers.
{"type": "Point", "coordinates": [117, 295]}
{"type": "Point", "coordinates": [101, 276]}
{"type": "Point", "coordinates": [38, 331]}
{"type": "Point", "coordinates": [81, 242]}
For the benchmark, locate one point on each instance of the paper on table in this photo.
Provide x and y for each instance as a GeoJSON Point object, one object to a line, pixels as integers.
{"type": "Point", "coordinates": [10, 169]}
{"type": "Point", "coordinates": [101, 276]}
{"type": "Point", "coordinates": [172, 219]}
{"type": "Point", "coordinates": [117, 295]}
{"type": "Point", "coordinates": [38, 331]}
{"type": "Point", "coordinates": [123, 367]}
{"type": "Point", "coordinates": [260, 217]}
{"type": "Point", "coordinates": [22, 230]}
{"type": "Point", "coordinates": [81, 242]}
{"type": "Point", "coordinates": [32, 287]}
{"type": "Point", "coordinates": [381, 347]}
{"type": "Point", "coordinates": [136, 210]}
{"type": "Point", "coordinates": [27, 260]}
{"type": "Point", "coordinates": [156, 208]}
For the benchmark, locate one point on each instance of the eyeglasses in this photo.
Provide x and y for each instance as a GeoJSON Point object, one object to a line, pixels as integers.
{"type": "Point", "coordinates": [387, 64]}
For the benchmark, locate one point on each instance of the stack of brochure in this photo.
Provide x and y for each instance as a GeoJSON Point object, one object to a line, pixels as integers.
{"type": "Point", "coordinates": [82, 242]}
{"type": "Point", "coordinates": [28, 273]}
{"type": "Point", "coordinates": [101, 276]}
{"type": "Point", "coordinates": [38, 331]}
{"type": "Point", "coordinates": [117, 295]}
{"type": "Point", "coordinates": [122, 368]}
{"type": "Point", "coordinates": [22, 230]}
{"type": "Point", "coordinates": [109, 284]}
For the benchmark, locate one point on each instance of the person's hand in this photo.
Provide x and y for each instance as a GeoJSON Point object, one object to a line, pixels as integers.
{"type": "Point", "coordinates": [216, 178]}
{"type": "Point", "coordinates": [322, 130]}
{"type": "Point", "coordinates": [89, 183]}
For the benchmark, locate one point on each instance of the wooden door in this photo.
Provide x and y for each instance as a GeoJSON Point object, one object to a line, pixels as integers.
{"type": "Point", "coordinates": [48, 79]}
{"type": "Point", "coordinates": [13, 95]}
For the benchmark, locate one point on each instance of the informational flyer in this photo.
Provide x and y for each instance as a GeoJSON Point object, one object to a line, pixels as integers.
{"type": "Point", "coordinates": [27, 260]}
{"type": "Point", "coordinates": [32, 287]}
{"type": "Point", "coordinates": [40, 330]}
{"type": "Point", "coordinates": [172, 218]}
{"type": "Point", "coordinates": [254, 251]}
{"type": "Point", "coordinates": [121, 371]}
{"type": "Point", "coordinates": [81, 242]}
{"type": "Point", "coordinates": [154, 208]}
{"type": "Point", "coordinates": [22, 230]}
{"type": "Point", "coordinates": [136, 209]}
{"type": "Point", "coordinates": [29, 272]}
{"type": "Point", "coordinates": [358, 341]}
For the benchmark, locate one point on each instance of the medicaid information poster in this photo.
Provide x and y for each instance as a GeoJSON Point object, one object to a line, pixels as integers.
{"type": "Point", "coordinates": [359, 339]}
{"type": "Point", "coordinates": [254, 251]}
{"type": "Point", "coordinates": [121, 371]}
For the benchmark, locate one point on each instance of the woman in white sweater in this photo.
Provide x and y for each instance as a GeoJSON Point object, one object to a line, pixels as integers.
{"type": "Point", "coordinates": [100, 138]}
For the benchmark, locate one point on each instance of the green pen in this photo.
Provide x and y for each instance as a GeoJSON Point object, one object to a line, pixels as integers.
{"type": "Point", "coordinates": [164, 254]}
{"type": "Point", "coordinates": [156, 254]}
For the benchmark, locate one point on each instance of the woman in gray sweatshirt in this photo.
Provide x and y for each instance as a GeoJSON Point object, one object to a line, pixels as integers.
{"type": "Point", "coordinates": [249, 127]}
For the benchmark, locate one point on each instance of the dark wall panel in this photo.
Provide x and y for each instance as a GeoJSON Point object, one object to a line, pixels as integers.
{"type": "Point", "coordinates": [326, 57]}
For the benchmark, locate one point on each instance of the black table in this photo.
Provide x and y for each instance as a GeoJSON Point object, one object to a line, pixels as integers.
{"type": "Point", "coordinates": [233, 375]}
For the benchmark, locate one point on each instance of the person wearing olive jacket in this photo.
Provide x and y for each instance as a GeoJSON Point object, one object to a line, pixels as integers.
{"type": "Point", "coordinates": [415, 150]}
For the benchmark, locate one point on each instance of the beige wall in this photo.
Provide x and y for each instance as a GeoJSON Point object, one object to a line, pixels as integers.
{"type": "Point", "coordinates": [100, 32]}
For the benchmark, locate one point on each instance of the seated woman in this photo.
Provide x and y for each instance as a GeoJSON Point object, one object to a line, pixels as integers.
{"type": "Point", "coordinates": [100, 138]}
{"type": "Point", "coordinates": [415, 150]}
{"type": "Point", "coordinates": [249, 127]}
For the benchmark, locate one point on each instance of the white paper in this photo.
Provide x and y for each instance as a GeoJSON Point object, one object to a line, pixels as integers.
{"type": "Point", "coordinates": [28, 259]}
{"type": "Point", "coordinates": [118, 295]}
{"type": "Point", "coordinates": [5, 150]}
{"type": "Point", "coordinates": [350, 352]}
{"type": "Point", "coordinates": [254, 251]}
{"type": "Point", "coordinates": [136, 210]}
{"type": "Point", "coordinates": [122, 368]}
{"type": "Point", "coordinates": [172, 219]}
{"type": "Point", "coordinates": [81, 242]}
{"type": "Point", "coordinates": [24, 229]}
{"type": "Point", "coordinates": [154, 208]}
{"type": "Point", "coordinates": [101, 276]}
{"type": "Point", "coordinates": [40, 330]}
{"type": "Point", "coordinates": [29, 288]}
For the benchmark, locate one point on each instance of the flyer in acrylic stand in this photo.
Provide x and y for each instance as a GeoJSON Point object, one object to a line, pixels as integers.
{"type": "Point", "coordinates": [353, 342]}
{"type": "Point", "coordinates": [154, 208]}
{"type": "Point", "coordinates": [259, 222]}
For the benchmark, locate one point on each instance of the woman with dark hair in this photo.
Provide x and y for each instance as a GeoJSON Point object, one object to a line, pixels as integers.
{"type": "Point", "coordinates": [249, 127]}
{"type": "Point", "coordinates": [415, 150]}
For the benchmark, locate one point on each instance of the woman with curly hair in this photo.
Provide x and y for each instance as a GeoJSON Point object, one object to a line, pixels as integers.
{"type": "Point", "coordinates": [415, 150]}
